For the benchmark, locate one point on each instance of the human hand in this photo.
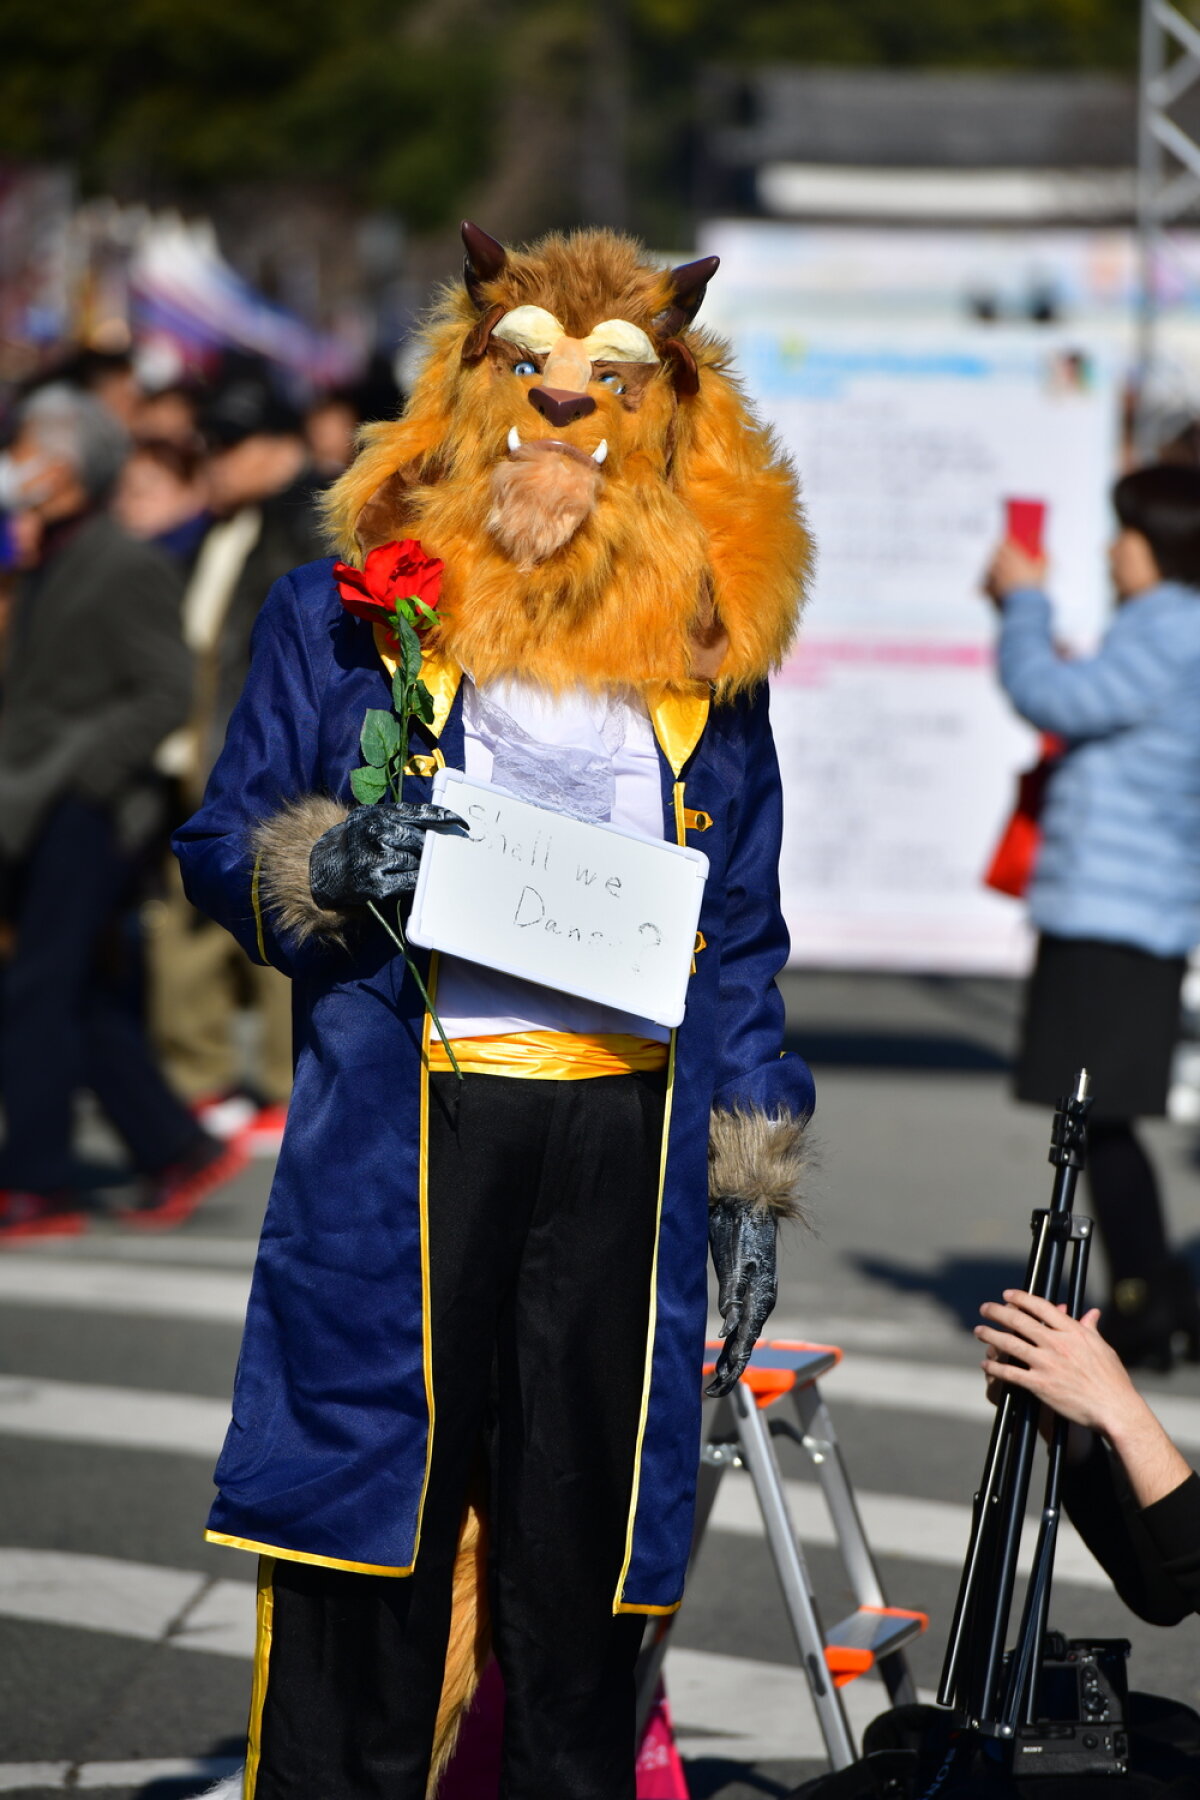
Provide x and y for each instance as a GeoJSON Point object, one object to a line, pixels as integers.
{"type": "Point", "coordinates": [1064, 1361]}
{"type": "Point", "coordinates": [375, 852]}
{"type": "Point", "coordinates": [743, 1239]}
{"type": "Point", "coordinates": [1012, 568]}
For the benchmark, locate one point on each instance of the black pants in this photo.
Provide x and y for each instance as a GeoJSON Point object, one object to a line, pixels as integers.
{"type": "Point", "coordinates": [1129, 1212]}
{"type": "Point", "coordinates": [66, 1020]}
{"type": "Point", "coordinates": [541, 1229]}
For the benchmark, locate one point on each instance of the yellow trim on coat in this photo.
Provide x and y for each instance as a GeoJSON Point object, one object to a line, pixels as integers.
{"type": "Point", "coordinates": [620, 1604]}
{"type": "Point", "coordinates": [256, 903]}
{"type": "Point", "coordinates": [440, 675]}
{"type": "Point", "coordinates": [263, 1631]}
{"type": "Point", "coordinates": [303, 1556]}
{"type": "Point", "coordinates": [656, 1612]}
{"type": "Point", "coordinates": [423, 1201]}
{"type": "Point", "coordinates": [680, 814]}
{"type": "Point", "coordinates": [679, 720]}
{"type": "Point", "coordinates": [550, 1055]}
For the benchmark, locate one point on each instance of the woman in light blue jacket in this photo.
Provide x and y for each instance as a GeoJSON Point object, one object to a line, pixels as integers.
{"type": "Point", "coordinates": [1115, 893]}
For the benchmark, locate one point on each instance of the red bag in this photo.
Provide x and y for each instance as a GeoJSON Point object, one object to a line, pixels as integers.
{"type": "Point", "coordinates": [1012, 861]}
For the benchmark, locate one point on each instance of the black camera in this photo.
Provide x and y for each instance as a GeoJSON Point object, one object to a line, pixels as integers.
{"type": "Point", "coordinates": [1082, 1698]}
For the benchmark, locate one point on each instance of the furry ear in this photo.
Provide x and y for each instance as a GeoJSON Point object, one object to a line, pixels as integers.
{"type": "Point", "coordinates": [485, 259]}
{"type": "Point", "coordinates": [689, 284]}
{"type": "Point", "coordinates": [685, 376]}
{"type": "Point", "coordinates": [477, 339]}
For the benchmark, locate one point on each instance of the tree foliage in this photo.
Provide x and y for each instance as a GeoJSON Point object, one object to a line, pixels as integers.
{"type": "Point", "coordinates": [417, 105]}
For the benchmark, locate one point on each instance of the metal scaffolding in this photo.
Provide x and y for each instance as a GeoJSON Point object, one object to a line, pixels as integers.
{"type": "Point", "coordinates": [1168, 176]}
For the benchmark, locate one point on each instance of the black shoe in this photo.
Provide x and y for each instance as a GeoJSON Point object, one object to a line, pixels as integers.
{"type": "Point", "coordinates": [1152, 1320]}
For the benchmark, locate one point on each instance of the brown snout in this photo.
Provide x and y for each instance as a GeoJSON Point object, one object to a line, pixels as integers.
{"type": "Point", "coordinates": [558, 407]}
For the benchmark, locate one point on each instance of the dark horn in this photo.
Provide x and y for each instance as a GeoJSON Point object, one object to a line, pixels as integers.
{"type": "Point", "coordinates": [484, 260]}
{"type": "Point", "coordinates": [688, 284]}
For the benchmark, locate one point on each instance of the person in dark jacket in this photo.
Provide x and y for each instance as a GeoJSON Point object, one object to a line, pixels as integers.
{"type": "Point", "coordinates": [1115, 893]}
{"type": "Point", "coordinates": [97, 674]}
{"type": "Point", "coordinates": [1131, 1496]}
{"type": "Point", "coordinates": [260, 488]}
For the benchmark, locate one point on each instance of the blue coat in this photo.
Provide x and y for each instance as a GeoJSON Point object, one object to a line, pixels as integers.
{"type": "Point", "coordinates": [1120, 852]}
{"type": "Point", "coordinates": [334, 1405]}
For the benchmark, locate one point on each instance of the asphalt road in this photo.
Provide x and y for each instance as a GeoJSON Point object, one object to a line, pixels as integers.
{"type": "Point", "coordinates": [124, 1639]}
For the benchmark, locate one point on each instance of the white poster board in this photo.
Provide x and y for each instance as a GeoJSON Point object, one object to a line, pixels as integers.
{"type": "Point", "coordinates": [592, 910]}
{"type": "Point", "coordinates": [898, 751]}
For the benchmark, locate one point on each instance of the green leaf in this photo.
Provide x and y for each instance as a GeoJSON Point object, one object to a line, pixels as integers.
{"type": "Point", "coordinates": [401, 696]}
{"type": "Point", "coordinates": [422, 703]}
{"type": "Point", "coordinates": [410, 650]}
{"type": "Point", "coordinates": [427, 612]}
{"type": "Point", "coordinates": [368, 785]}
{"type": "Point", "coordinates": [379, 738]}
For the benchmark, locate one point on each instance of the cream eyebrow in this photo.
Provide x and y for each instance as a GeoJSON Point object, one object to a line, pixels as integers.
{"type": "Point", "coordinates": [530, 328]}
{"type": "Point", "coordinates": [616, 340]}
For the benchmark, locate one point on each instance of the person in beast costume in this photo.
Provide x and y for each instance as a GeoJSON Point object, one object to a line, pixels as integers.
{"type": "Point", "coordinates": [471, 1364]}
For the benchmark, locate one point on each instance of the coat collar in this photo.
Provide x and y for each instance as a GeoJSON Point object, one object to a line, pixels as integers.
{"type": "Point", "coordinates": [678, 716]}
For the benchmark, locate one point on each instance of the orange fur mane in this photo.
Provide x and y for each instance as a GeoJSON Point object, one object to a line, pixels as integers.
{"type": "Point", "coordinates": [695, 536]}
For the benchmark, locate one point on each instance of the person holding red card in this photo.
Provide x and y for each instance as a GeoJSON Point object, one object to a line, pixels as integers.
{"type": "Point", "coordinates": [1115, 890]}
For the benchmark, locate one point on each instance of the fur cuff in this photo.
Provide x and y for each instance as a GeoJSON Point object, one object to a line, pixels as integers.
{"type": "Point", "coordinates": [283, 844]}
{"type": "Point", "coordinates": [758, 1157]}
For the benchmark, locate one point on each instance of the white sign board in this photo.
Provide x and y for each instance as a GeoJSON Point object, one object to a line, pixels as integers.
{"type": "Point", "coordinates": [898, 750]}
{"type": "Point", "coordinates": [591, 910]}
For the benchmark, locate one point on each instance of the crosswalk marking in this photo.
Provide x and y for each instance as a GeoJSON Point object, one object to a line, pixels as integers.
{"type": "Point", "coordinates": [19, 1777]}
{"type": "Point", "coordinates": [125, 1288]}
{"type": "Point", "coordinates": [928, 1531]}
{"type": "Point", "coordinates": [129, 1599]}
{"type": "Point", "coordinates": [129, 1247]}
{"type": "Point", "coordinates": [123, 1418]}
{"type": "Point", "coordinates": [894, 1384]}
{"type": "Point", "coordinates": [723, 1705]}
{"type": "Point", "coordinates": [732, 1706]}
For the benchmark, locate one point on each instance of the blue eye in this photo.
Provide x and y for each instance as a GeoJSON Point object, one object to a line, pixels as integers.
{"type": "Point", "coordinates": [612, 381]}
{"type": "Point", "coordinates": [524, 368]}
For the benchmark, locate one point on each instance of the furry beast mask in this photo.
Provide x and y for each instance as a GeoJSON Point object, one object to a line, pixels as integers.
{"type": "Point", "coordinates": [608, 509]}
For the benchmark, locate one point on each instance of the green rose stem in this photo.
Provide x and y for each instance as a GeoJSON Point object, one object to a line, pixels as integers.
{"type": "Point", "coordinates": [398, 938]}
{"type": "Point", "coordinates": [384, 744]}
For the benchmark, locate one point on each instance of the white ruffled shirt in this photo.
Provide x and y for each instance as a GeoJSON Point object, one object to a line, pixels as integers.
{"type": "Point", "coordinates": [593, 755]}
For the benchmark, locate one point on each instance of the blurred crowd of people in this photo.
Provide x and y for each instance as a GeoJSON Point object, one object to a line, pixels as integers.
{"type": "Point", "coordinates": [140, 532]}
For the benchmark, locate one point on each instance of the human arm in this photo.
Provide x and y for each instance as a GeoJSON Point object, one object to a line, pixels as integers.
{"type": "Point", "coordinates": [152, 689]}
{"type": "Point", "coordinates": [1121, 685]}
{"type": "Point", "coordinates": [1134, 1501]}
{"type": "Point", "coordinates": [764, 1096]}
{"type": "Point", "coordinates": [1071, 1369]}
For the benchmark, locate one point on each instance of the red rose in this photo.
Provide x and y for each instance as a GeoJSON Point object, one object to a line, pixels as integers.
{"type": "Point", "coordinates": [393, 572]}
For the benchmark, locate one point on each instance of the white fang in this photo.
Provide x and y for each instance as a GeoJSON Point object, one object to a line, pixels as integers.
{"type": "Point", "coordinates": [514, 439]}
{"type": "Point", "coordinates": [601, 451]}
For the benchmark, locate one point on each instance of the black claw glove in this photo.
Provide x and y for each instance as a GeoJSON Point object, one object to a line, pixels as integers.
{"type": "Point", "coordinates": [373, 854]}
{"type": "Point", "coordinates": [743, 1241]}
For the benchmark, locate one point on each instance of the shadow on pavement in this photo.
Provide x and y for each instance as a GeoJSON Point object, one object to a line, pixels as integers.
{"type": "Point", "coordinates": [960, 1284]}
{"type": "Point", "coordinates": [711, 1775]}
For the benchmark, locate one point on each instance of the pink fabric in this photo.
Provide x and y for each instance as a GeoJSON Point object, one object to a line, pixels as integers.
{"type": "Point", "coordinates": [474, 1773]}
{"type": "Point", "coordinates": [660, 1773]}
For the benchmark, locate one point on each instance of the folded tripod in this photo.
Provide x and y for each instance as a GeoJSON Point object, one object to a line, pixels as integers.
{"type": "Point", "coordinates": [992, 1693]}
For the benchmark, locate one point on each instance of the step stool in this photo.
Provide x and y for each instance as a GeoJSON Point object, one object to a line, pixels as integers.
{"type": "Point", "coordinates": [737, 1435]}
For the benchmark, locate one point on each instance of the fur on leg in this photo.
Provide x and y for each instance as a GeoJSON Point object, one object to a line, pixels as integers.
{"type": "Point", "coordinates": [232, 1788]}
{"type": "Point", "coordinates": [759, 1157]}
{"type": "Point", "coordinates": [283, 844]}
{"type": "Point", "coordinates": [466, 1654]}
{"type": "Point", "coordinates": [470, 1641]}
